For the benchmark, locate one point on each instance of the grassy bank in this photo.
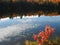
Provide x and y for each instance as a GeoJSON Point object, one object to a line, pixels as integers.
{"type": "Point", "coordinates": [55, 41]}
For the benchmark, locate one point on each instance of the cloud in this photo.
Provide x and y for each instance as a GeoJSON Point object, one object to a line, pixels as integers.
{"type": "Point", "coordinates": [14, 30]}
{"type": "Point", "coordinates": [16, 26]}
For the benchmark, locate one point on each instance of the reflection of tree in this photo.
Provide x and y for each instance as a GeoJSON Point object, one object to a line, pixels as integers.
{"type": "Point", "coordinates": [24, 8]}
{"type": "Point", "coordinates": [11, 17]}
{"type": "Point", "coordinates": [58, 8]}
{"type": "Point", "coordinates": [11, 1]}
{"type": "Point", "coordinates": [21, 15]}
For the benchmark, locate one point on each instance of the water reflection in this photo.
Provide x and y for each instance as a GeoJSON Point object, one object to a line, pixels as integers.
{"type": "Point", "coordinates": [10, 9]}
{"type": "Point", "coordinates": [16, 31]}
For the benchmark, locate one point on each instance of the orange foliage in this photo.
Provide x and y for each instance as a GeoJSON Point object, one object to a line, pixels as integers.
{"type": "Point", "coordinates": [54, 1]}
{"type": "Point", "coordinates": [36, 1]}
{"type": "Point", "coordinates": [43, 36]}
{"type": "Point", "coordinates": [29, 0]}
{"type": "Point", "coordinates": [15, 1]}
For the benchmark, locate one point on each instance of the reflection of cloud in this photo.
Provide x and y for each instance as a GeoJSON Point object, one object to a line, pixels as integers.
{"type": "Point", "coordinates": [15, 26]}
{"type": "Point", "coordinates": [40, 19]}
{"type": "Point", "coordinates": [49, 18]}
{"type": "Point", "coordinates": [14, 30]}
{"type": "Point", "coordinates": [4, 19]}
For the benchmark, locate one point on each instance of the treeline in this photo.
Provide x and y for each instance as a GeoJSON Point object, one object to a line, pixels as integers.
{"type": "Point", "coordinates": [25, 7]}
{"type": "Point", "coordinates": [18, 7]}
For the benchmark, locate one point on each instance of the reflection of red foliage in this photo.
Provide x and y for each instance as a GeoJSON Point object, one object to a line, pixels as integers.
{"type": "Point", "coordinates": [43, 35]}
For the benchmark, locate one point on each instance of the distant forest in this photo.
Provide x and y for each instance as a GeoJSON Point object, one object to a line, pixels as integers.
{"type": "Point", "coordinates": [25, 7]}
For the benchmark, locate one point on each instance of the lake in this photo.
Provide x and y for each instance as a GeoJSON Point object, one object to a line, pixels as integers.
{"type": "Point", "coordinates": [15, 31]}
{"type": "Point", "coordinates": [20, 20]}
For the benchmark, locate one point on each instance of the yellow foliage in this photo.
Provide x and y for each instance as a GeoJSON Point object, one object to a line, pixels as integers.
{"type": "Point", "coordinates": [31, 42]}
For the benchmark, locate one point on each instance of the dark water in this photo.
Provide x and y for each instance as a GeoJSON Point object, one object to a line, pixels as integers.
{"type": "Point", "coordinates": [8, 8]}
{"type": "Point", "coordinates": [16, 31]}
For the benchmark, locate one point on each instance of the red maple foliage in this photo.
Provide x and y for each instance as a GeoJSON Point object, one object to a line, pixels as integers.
{"type": "Point", "coordinates": [43, 36]}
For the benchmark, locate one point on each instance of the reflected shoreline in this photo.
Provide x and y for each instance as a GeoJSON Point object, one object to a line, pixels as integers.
{"type": "Point", "coordinates": [14, 15]}
{"type": "Point", "coordinates": [9, 9]}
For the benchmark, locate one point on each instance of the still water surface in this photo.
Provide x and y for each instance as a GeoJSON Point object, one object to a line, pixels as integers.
{"type": "Point", "coordinates": [15, 31]}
